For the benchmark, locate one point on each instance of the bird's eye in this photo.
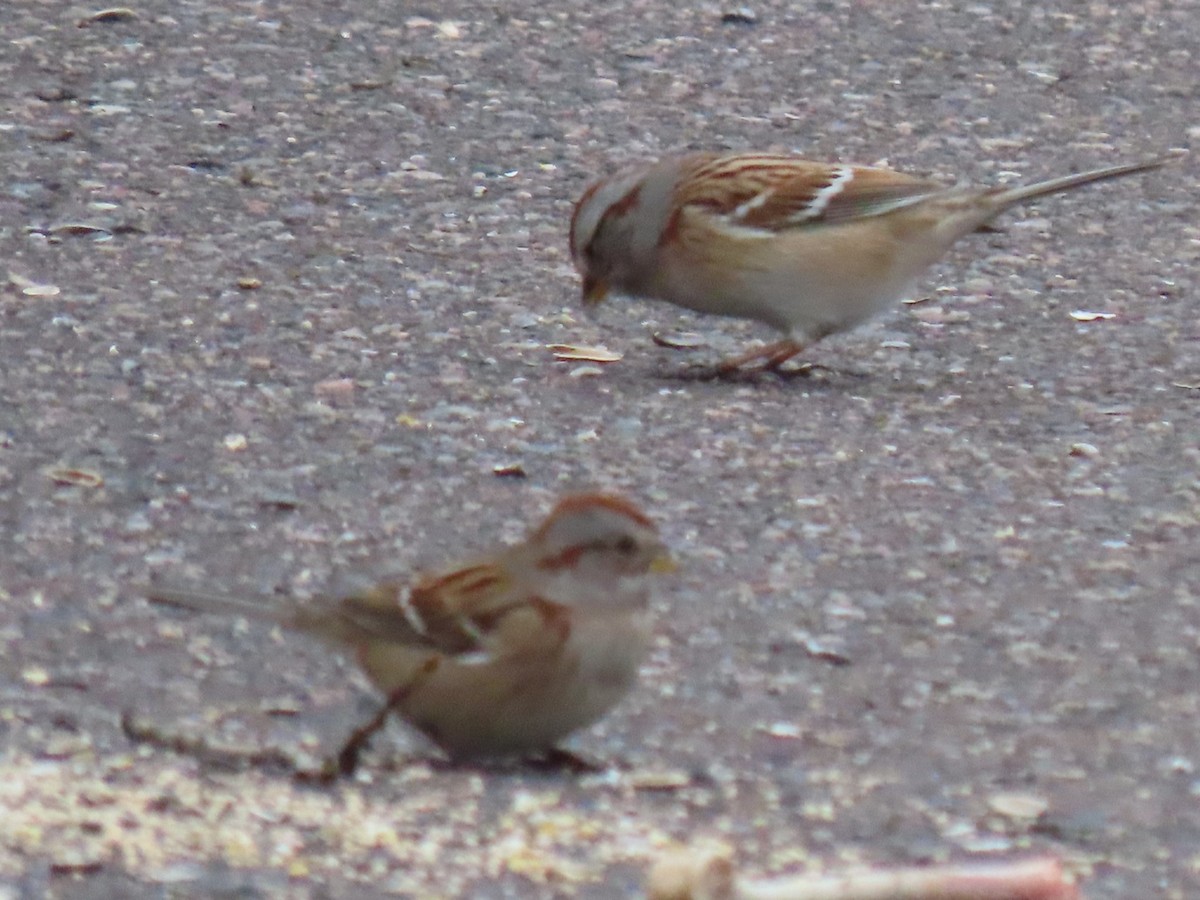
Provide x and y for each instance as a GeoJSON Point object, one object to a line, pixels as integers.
{"type": "Point", "coordinates": [626, 545]}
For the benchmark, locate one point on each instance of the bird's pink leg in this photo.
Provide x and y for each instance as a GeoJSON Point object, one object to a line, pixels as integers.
{"type": "Point", "coordinates": [769, 357]}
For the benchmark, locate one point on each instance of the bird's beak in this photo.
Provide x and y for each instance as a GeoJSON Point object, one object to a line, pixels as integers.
{"type": "Point", "coordinates": [663, 564]}
{"type": "Point", "coordinates": [594, 290]}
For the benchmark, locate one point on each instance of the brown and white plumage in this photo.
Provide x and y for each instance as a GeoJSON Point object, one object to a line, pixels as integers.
{"type": "Point", "coordinates": [504, 655]}
{"type": "Point", "coordinates": [808, 248]}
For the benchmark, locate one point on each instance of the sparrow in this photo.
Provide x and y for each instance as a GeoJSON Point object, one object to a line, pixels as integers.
{"type": "Point", "coordinates": [504, 655]}
{"type": "Point", "coordinates": [809, 248]}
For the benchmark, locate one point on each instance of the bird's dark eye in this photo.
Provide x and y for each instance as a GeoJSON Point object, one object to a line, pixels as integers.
{"type": "Point", "coordinates": [626, 545]}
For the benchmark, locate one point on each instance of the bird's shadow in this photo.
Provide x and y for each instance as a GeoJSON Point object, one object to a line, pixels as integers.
{"type": "Point", "coordinates": [345, 763]}
{"type": "Point", "coordinates": [812, 373]}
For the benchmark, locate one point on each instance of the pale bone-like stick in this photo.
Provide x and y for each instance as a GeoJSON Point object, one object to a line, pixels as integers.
{"type": "Point", "coordinates": [690, 875]}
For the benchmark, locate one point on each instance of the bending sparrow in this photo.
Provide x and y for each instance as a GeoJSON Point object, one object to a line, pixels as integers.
{"type": "Point", "coordinates": [507, 654]}
{"type": "Point", "coordinates": [809, 248]}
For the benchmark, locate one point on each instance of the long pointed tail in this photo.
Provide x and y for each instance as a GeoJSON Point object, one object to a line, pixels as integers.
{"type": "Point", "coordinates": [327, 621]}
{"type": "Point", "coordinates": [264, 609]}
{"type": "Point", "coordinates": [1003, 198]}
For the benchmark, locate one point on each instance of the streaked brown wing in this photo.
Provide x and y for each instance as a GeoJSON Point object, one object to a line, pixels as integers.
{"type": "Point", "coordinates": [452, 612]}
{"type": "Point", "coordinates": [774, 193]}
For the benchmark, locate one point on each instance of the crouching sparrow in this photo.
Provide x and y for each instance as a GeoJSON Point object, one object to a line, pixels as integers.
{"type": "Point", "coordinates": [809, 248]}
{"type": "Point", "coordinates": [504, 655]}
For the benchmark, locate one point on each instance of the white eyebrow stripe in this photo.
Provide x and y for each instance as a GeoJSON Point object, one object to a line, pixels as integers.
{"type": "Point", "coordinates": [753, 203]}
{"type": "Point", "coordinates": [842, 176]}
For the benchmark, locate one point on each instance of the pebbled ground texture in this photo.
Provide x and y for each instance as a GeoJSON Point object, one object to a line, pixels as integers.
{"type": "Point", "coordinates": [280, 279]}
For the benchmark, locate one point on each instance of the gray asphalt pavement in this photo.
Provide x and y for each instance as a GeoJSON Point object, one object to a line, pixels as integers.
{"type": "Point", "coordinates": [280, 279]}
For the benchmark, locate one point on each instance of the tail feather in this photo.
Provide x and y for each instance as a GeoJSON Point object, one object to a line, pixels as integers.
{"type": "Point", "coordinates": [1003, 198]}
{"type": "Point", "coordinates": [264, 609]}
{"type": "Point", "coordinates": [328, 621]}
